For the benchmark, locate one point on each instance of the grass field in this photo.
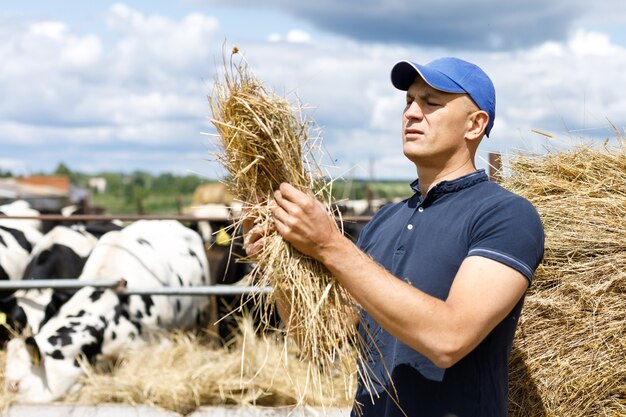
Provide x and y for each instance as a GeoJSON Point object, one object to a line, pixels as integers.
{"type": "Point", "coordinates": [151, 204]}
{"type": "Point", "coordinates": [172, 203]}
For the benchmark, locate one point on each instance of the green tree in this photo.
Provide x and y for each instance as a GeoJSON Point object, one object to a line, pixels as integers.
{"type": "Point", "coordinates": [62, 169]}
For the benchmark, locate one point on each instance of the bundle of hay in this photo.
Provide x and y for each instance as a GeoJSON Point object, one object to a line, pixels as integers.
{"type": "Point", "coordinates": [264, 141]}
{"type": "Point", "coordinates": [569, 356]}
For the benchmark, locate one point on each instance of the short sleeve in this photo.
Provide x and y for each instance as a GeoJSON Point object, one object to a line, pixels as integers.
{"type": "Point", "coordinates": [509, 231]}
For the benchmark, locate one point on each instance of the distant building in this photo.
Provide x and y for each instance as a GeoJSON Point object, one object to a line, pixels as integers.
{"type": "Point", "coordinates": [98, 183]}
{"type": "Point", "coordinates": [44, 193]}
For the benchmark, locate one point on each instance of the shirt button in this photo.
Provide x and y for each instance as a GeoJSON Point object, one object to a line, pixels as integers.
{"type": "Point", "coordinates": [420, 209]}
{"type": "Point", "coordinates": [410, 227]}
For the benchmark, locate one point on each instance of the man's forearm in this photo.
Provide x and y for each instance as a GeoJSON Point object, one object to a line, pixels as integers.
{"type": "Point", "coordinates": [407, 313]}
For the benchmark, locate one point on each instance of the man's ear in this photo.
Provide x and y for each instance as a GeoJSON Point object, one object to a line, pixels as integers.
{"type": "Point", "coordinates": [477, 123]}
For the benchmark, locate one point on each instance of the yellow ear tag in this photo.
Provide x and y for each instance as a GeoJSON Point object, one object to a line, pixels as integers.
{"type": "Point", "coordinates": [222, 237]}
{"type": "Point", "coordinates": [3, 318]}
{"type": "Point", "coordinates": [34, 354]}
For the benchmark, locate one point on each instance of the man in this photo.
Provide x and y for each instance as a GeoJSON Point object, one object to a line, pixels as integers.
{"type": "Point", "coordinates": [441, 276]}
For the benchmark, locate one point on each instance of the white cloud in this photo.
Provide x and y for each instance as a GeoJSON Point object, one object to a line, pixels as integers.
{"type": "Point", "coordinates": [146, 133]}
{"type": "Point", "coordinates": [145, 84]}
{"type": "Point", "coordinates": [547, 49]}
{"type": "Point", "coordinates": [53, 30]}
{"type": "Point", "coordinates": [80, 53]}
{"type": "Point", "coordinates": [135, 108]}
{"type": "Point", "coordinates": [387, 107]}
{"type": "Point", "coordinates": [153, 45]}
{"type": "Point", "coordinates": [567, 88]}
{"type": "Point", "coordinates": [293, 36]}
{"type": "Point", "coordinates": [69, 86]}
{"type": "Point", "coordinates": [298, 36]}
{"type": "Point", "coordinates": [44, 49]}
{"type": "Point", "coordinates": [591, 43]}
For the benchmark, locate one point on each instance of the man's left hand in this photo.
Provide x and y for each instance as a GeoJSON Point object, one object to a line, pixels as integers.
{"type": "Point", "coordinates": [303, 221]}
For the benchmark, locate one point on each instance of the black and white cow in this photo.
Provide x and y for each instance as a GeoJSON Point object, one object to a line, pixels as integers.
{"type": "Point", "coordinates": [61, 253]}
{"type": "Point", "coordinates": [15, 247]}
{"type": "Point", "coordinates": [20, 208]}
{"type": "Point", "coordinates": [26, 254]}
{"type": "Point", "coordinates": [17, 239]}
{"type": "Point", "coordinates": [95, 227]}
{"type": "Point", "coordinates": [100, 323]}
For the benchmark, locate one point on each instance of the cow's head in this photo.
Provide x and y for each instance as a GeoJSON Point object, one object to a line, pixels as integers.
{"type": "Point", "coordinates": [12, 318]}
{"type": "Point", "coordinates": [35, 377]}
{"type": "Point", "coordinates": [91, 324]}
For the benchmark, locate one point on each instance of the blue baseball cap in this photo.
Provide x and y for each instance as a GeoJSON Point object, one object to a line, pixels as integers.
{"type": "Point", "coordinates": [450, 75]}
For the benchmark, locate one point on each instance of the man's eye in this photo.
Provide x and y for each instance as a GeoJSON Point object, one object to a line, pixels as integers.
{"type": "Point", "coordinates": [432, 103]}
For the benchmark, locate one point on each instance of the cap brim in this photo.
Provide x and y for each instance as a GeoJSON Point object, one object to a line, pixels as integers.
{"type": "Point", "coordinates": [403, 74]}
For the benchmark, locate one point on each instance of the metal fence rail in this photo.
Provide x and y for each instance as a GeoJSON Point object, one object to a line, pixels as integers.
{"type": "Point", "coordinates": [135, 217]}
{"type": "Point", "coordinates": [108, 217]}
{"type": "Point", "coordinates": [120, 287]}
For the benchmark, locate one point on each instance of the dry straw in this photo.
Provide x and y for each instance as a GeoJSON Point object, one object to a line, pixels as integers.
{"type": "Point", "coordinates": [188, 372]}
{"type": "Point", "coordinates": [264, 141]}
{"type": "Point", "coordinates": [569, 355]}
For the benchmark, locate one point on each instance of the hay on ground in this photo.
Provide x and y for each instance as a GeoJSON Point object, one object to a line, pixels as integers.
{"type": "Point", "coordinates": [189, 371]}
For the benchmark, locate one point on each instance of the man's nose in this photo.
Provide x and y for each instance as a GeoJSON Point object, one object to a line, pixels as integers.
{"type": "Point", "coordinates": [413, 111]}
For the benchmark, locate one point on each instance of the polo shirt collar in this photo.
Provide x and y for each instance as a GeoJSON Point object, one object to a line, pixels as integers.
{"type": "Point", "coordinates": [445, 187]}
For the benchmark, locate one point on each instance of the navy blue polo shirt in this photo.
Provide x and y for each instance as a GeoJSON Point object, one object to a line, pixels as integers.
{"type": "Point", "coordinates": [424, 241]}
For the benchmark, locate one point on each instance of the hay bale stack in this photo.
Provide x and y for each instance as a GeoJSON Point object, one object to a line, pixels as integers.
{"type": "Point", "coordinates": [569, 355]}
{"type": "Point", "coordinates": [264, 141]}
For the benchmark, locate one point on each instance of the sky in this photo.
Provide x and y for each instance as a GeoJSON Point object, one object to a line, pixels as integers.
{"type": "Point", "coordinates": [123, 86]}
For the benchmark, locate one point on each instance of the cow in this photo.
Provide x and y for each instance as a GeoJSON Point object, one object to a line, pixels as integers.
{"type": "Point", "coordinates": [17, 238]}
{"type": "Point", "coordinates": [15, 248]}
{"type": "Point", "coordinates": [61, 253]}
{"type": "Point", "coordinates": [221, 215]}
{"type": "Point", "coordinates": [19, 208]}
{"type": "Point", "coordinates": [213, 200]}
{"type": "Point", "coordinates": [99, 323]}
{"type": "Point", "coordinates": [95, 227]}
{"type": "Point", "coordinates": [231, 268]}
